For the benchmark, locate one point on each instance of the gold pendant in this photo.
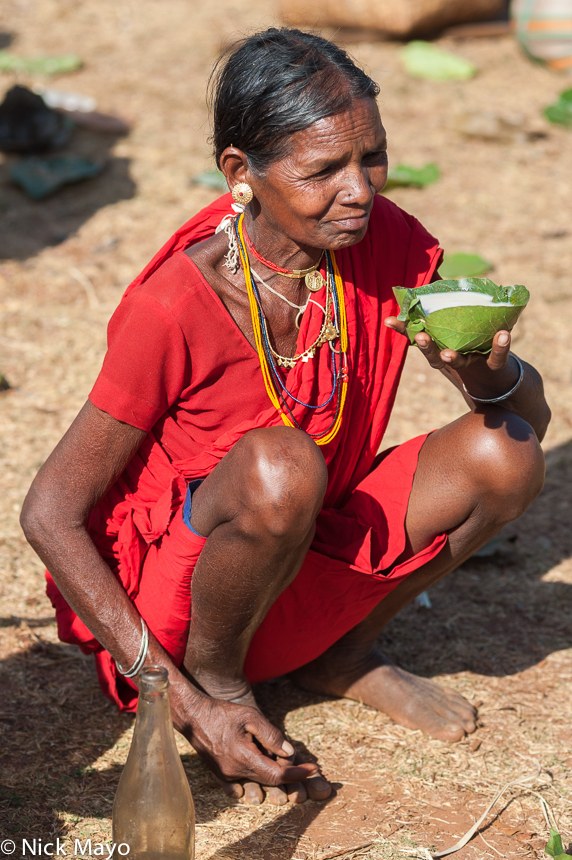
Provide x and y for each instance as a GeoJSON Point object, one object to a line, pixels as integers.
{"type": "Point", "coordinates": [315, 281]}
{"type": "Point", "coordinates": [330, 332]}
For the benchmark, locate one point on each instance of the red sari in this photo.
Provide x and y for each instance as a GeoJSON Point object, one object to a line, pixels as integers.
{"type": "Point", "coordinates": [179, 367]}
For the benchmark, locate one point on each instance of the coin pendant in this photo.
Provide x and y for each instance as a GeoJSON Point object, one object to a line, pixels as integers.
{"type": "Point", "coordinates": [330, 332]}
{"type": "Point", "coordinates": [315, 281]}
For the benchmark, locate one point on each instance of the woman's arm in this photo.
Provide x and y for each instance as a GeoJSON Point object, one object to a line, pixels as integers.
{"type": "Point", "coordinates": [86, 462]}
{"type": "Point", "coordinates": [489, 376]}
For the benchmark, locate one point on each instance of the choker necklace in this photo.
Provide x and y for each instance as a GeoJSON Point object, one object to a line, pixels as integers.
{"type": "Point", "coordinates": [314, 279]}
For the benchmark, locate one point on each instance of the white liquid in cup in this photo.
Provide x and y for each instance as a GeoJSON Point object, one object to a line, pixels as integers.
{"type": "Point", "coordinates": [457, 299]}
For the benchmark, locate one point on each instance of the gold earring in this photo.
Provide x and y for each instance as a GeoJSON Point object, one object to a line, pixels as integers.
{"type": "Point", "coordinates": [242, 193]}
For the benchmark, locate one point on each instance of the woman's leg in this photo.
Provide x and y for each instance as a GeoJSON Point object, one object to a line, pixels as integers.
{"type": "Point", "coordinates": [473, 477]}
{"type": "Point", "coordinates": [258, 509]}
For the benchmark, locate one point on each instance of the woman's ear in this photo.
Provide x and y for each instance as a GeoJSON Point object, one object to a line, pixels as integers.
{"type": "Point", "coordinates": [234, 165]}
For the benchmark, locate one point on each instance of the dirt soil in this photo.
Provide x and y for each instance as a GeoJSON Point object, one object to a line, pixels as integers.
{"type": "Point", "coordinates": [499, 628]}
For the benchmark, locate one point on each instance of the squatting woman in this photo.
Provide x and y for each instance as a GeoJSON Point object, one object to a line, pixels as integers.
{"type": "Point", "coordinates": [219, 506]}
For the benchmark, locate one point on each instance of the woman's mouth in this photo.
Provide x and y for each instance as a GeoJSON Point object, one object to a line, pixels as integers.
{"type": "Point", "coordinates": [352, 222]}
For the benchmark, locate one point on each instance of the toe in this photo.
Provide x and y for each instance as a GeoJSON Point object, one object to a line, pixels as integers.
{"type": "Point", "coordinates": [297, 792]}
{"type": "Point", "coordinates": [463, 712]}
{"type": "Point", "coordinates": [317, 787]}
{"type": "Point", "coordinates": [231, 789]}
{"type": "Point", "coordinates": [276, 795]}
{"type": "Point", "coordinates": [450, 732]}
{"type": "Point", "coordinates": [253, 794]}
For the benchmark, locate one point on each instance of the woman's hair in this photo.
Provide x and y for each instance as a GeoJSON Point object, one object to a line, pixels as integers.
{"type": "Point", "coordinates": [272, 84]}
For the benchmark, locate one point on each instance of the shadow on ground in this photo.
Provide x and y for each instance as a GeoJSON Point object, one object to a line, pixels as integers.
{"type": "Point", "coordinates": [27, 226]}
{"type": "Point", "coordinates": [498, 616]}
{"type": "Point", "coordinates": [55, 724]}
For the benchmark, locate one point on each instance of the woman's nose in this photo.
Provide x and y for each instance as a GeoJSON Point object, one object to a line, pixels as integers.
{"type": "Point", "coordinates": [357, 188]}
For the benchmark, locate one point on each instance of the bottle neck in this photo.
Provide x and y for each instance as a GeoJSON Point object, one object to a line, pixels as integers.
{"type": "Point", "coordinates": [154, 707]}
{"type": "Point", "coordinates": [154, 725]}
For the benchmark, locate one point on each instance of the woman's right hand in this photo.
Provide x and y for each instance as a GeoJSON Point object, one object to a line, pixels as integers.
{"type": "Point", "coordinates": [239, 744]}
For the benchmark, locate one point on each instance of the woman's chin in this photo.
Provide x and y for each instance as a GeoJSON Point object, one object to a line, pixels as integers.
{"type": "Point", "coordinates": [346, 238]}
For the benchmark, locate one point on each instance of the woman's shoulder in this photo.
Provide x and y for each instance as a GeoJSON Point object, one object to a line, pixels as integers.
{"type": "Point", "coordinates": [175, 282]}
{"type": "Point", "coordinates": [200, 227]}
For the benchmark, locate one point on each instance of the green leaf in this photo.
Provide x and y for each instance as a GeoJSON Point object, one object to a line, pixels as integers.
{"type": "Point", "coordinates": [468, 328]}
{"type": "Point", "coordinates": [403, 175]}
{"type": "Point", "coordinates": [554, 847]}
{"type": "Point", "coordinates": [424, 60]}
{"type": "Point", "coordinates": [464, 266]}
{"type": "Point", "coordinates": [39, 65]}
{"type": "Point", "coordinates": [211, 179]}
{"type": "Point", "coordinates": [560, 112]}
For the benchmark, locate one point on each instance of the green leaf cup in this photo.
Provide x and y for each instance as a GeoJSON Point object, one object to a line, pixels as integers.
{"type": "Point", "coordinates": [463, 314]}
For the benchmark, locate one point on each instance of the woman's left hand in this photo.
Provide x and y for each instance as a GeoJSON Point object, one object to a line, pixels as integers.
{"type": "Point", "coordinates": [485, 376]}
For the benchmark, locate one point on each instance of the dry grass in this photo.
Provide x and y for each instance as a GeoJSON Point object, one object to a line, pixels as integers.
{"type": "Point", "coordinates": [499, 630]}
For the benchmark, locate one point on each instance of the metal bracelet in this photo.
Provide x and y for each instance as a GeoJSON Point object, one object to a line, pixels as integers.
{"type": "Point", "coordinates": [503, 396]}
{"type": "Point", "coordinates": [141, 657]}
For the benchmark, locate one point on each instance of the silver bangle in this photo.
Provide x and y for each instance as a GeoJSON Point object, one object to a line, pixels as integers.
{"type": "Point", "coordinates": [141, 657]}
{"type": "Point", "coordinates": [503, 396]}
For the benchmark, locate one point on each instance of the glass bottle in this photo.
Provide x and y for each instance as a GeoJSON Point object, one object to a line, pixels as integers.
{"type": "Point", "coordinates": [153, 811]}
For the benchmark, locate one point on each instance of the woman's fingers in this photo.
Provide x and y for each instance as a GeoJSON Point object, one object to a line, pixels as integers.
{"type": "Point", "coordinates": [396, 325]}
{"type": "Point", "coordinates": [269, 736]}
{"type": "Point", "coordinates": [433, 354]}
{"type": "Point", "coordinates": [279, 781]}
{"type": "Point", "coordinates": [500, 352]}
{"type": "Point", "coordinates": [439, 359]}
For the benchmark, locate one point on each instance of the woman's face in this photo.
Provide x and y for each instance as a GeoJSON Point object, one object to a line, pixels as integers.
{"type": "Point", "coordinates": [321, 194]}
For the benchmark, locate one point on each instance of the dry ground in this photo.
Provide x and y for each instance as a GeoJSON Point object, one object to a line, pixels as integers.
{"type": "Point", "coordinates": [499, 629]}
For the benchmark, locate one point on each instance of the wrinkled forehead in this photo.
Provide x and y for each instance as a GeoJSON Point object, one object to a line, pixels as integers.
{"type": "Point", "coordinates": [357, 129]}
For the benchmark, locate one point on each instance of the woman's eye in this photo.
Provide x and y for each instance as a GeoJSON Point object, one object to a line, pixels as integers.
{"type": "Point", "coordinates": [379, 156]}
{"type": "Point", "coordinates": [326, 171]}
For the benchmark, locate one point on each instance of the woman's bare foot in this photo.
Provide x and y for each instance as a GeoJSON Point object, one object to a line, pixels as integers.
{"type": "Point", "coordinates": [240, 692]}
{"type": "Point", "coordinates": [414, 702]}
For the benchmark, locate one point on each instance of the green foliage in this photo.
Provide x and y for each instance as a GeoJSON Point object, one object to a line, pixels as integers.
{"type": "Point", "coordinates": [39, 65]}
{"type": "Point", "coordinates": [468, 328]}
{"type": "Point", "coordinates": [464, 266]}
{"type": "Point", "coordinates": [560, 112]}
{"type": "Point", "coordinates": [554, 847]}
{"type": "Point", "coordinates": [403, 175]}
{"type": "Point", "coordinates": [424, 60]}
{"type": "Point", "coordinates": [211, 179]}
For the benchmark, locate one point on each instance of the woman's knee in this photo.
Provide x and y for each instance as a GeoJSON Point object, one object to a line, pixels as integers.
{"type": "Point", "coordinates": [506, 460]}
{"type": "Point", "coordinates": [287, 479]}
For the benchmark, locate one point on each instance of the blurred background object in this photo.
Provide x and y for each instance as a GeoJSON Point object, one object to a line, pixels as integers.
{"type": "Point", "coordinates": [28, 125]}
{"type": "Point", "coordinates": [401, 19]}
{"type": "Point", "coordinates": [544, 31]}
{"type": "Point", "coordinates": [425, 60]}
{"type": "Point", "coordinates": [39, 65]}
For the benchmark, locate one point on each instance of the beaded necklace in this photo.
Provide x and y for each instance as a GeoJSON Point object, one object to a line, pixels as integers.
{"type": "Point", "coordinates": [312, 277]}
{"type": "Point", "coordinates": [275, 387]}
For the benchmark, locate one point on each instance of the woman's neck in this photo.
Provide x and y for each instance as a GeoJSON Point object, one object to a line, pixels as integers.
{"type": "Point", "coordinates": [278, 248]}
